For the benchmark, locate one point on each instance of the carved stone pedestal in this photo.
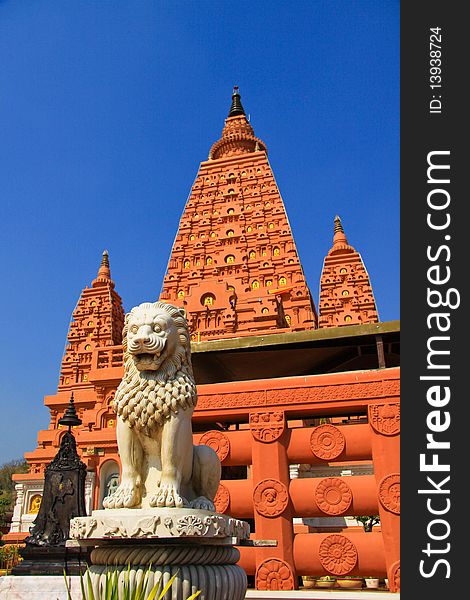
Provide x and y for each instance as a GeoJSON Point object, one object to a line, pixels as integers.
{"type": "Point", "coordinates": [198, 545]}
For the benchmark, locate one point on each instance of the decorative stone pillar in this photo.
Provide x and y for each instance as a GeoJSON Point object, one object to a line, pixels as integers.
{"type": "Point", "coordinates": [384, 421]}
{"type": "Point", "coordinates": [18, 509]}
{"type": "Point", "coordinates": [89, 491]}
{"type": "Point", "coordinates": [275, 568]}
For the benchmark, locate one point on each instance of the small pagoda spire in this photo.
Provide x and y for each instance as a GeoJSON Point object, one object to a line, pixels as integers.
{"type": "Point", "coordinates": [70, 418]}
{"type": "Point", "coordinates": [338, 224]}
{"type": "Point", "coordinates": [104, 272]}
{"type": "Point", "coordinates": [236, 108]}
{"type": "Point", "coordinates": [339, 237]}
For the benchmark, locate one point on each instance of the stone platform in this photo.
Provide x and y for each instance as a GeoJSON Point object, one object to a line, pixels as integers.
{"type": "Point", "coordinates": [53, 588]}
{"type": "Point", "coordinates": [196, 546]}
{"type": "Point", "coordinates": [38, 587]}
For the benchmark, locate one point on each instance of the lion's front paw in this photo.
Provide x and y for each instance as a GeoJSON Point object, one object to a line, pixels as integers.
{"type": "Point", "coordinates": [168, 497]}
{"type": "Point", "coordinates": [127, 495]}
{"type": "Point", "coordinates": [203, 503]}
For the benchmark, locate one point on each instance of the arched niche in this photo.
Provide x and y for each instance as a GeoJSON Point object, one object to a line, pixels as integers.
{"type": "Point", "coordinates": [109, 479]}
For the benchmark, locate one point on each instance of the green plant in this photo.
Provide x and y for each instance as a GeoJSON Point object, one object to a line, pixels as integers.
{"type": "Point", "coordinates": [9, 556]}
{"type": "Point", "coordinates": [130, 591]}
{"type": "Point", "coordinates": [368, 522]}
{"type": "Point", "coordinates": [7, 488]}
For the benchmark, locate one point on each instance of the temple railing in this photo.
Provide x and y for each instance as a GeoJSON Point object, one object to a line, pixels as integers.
{"type": "Point", "coordinates": [266, 439]}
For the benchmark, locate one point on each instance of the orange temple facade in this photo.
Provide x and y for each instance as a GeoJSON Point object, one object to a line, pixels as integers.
{"type": "Point", "coordinates": [302, 408]}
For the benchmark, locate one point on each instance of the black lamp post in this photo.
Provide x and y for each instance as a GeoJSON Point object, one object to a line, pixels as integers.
{"type": "Point", "coordinates": [63, 499]}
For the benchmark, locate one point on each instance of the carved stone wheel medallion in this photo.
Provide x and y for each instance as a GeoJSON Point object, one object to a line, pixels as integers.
{"type": "Point", "coordinates": [327, 442]}
{"type": "Point", "coordinates": [222, 499]}
{"type": "Point", "coordinates": [267, 426]}
{"type": "Point", "coordinates": [270, 497]}
{"type": "Point", "coordinates": [394, 578]}
{"type": "Point", "coordinates": [338, 555]}
{"type": "Point", "coordinates": [333, 496]}
{"type": "Point", "coordinates": [274, 574]}
{"type": "Point", "coordinates": [218, 441]}
{"type": "Point", "coordinates": [389, 492]}
{"type": "Point", "coordinates": [385, 418]}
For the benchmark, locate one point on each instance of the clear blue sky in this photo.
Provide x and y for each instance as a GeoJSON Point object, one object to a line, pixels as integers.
{"type": "Point", "coordinates": [107, 108]}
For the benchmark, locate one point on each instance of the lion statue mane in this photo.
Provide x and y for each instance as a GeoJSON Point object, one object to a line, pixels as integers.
{"type": "Point", "coordinates": [154, 404]}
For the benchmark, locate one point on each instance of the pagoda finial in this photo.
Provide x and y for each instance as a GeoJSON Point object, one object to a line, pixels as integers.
{"type": "Point", "coordinates": [238, 136]}
{"type": "Point", "coordinates": [339, 237]}
{"type": "Point", "coordinates": [104, 272]}
{"type": "Point", "coordinates": [236, 108]}
{"type": "Point", "coordinates": [338, 225]}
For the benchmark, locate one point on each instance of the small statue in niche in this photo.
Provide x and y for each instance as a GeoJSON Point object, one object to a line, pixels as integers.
{"type": "Point", "coordinates": [35, 504]}
{"type": "Point", "coordinates": [111, 484]}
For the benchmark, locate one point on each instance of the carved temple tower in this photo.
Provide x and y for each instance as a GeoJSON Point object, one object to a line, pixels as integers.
{"type": "Point", "coordinates": [346, 296]}
{"type": "Point", "coordinates": [97, 321]}
{"type": "Point", "coordinates": [234, 265]}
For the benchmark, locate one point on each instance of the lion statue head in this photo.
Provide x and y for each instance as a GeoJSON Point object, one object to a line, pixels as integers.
{"type": "Point", "coordinates": [158, 377]}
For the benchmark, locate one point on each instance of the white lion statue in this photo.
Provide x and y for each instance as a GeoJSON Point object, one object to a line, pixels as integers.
{"type": "Point", "coordinates": [154, 404]}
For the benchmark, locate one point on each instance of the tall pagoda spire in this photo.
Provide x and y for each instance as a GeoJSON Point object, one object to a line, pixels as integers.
{"type": "Point", "coordinates": [234, 265]}
{"type": "Point", "coordinates": [97, 321]}
{"type": "Point", "coordinates": [346, 296]}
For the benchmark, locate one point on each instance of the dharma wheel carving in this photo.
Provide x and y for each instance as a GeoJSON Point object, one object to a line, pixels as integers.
{"type": "Point", "coordinates": [338, 555]}
{"type": "Point", "coordinates": [218, 441]}
{"type": "Point", "coordinates": [385, 418]}
{"type": "Point", "coordinates": [389, 493]}
{"type": "Point", "coordinates": [222, 499]}
{"type": "Point", "coordinates": [333, 496]}
{"type": "Point", "coordinates": [274, 574]}
{"type": "Point", "coordinates": [270, 497]}
{"type": "Point", "coordinates": [327, 442]}
{"type": "Point", "coordinates": [267, 426]}
{"type": "Point", "coordinates": [394, 578]}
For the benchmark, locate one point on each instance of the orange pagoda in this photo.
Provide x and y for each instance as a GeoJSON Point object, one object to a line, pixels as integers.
{"type": "Point", "coordinates": [302, 410]}
{"type": "Point", "coordinates": [234, 264]}
{"type": "Point", "coordinates": [346, 296]}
